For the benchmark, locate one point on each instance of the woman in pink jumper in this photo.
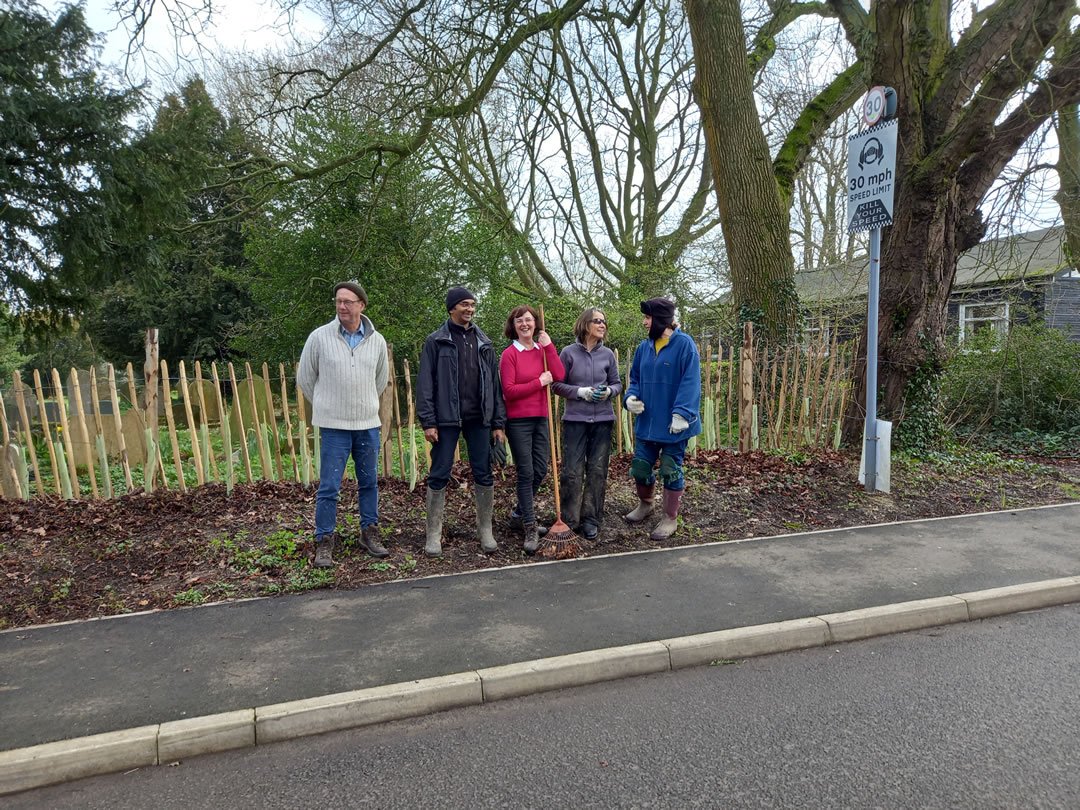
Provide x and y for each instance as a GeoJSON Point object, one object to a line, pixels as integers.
{"type": "Point", "coordinates": [525, 392]}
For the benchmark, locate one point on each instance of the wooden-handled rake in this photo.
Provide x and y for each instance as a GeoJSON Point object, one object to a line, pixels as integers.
{"type": "Point", "coordinates": [560, 542]}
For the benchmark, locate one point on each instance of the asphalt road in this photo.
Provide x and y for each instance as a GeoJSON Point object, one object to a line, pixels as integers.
{"type": "Point", "coordinates": [978, 715]}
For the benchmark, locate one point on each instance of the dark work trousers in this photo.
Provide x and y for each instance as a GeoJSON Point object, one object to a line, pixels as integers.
{"type": "Point", "coordinates": [586, 450]}
{"type": "Point", "coordinates": [477, 439]}
{"type": "Point", "coordinates": [529, 442]}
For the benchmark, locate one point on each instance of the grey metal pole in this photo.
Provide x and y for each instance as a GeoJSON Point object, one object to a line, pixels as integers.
{"type": "Point", "coordinates": [870, 430]}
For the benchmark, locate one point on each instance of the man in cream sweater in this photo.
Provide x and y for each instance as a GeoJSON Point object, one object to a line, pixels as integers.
{"type": "Point", "coordinates": [343, 371]}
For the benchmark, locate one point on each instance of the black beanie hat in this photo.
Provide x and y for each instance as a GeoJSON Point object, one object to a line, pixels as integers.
{"type": "Point", "coordinates": [456, 295]}
{"type": "Point", "coordinates": [352, 286]}
{"type": "Point", "coordinates": [660, 308]}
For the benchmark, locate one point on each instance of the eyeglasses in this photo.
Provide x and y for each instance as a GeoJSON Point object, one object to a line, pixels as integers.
{"type": "Point", "coordinates": [343, 302]}
{"type": "Point", "coordinates": [599, 321]}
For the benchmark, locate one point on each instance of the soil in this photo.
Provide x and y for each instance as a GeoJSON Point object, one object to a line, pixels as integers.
{"type": "Point", "coordinates": [65, 560]}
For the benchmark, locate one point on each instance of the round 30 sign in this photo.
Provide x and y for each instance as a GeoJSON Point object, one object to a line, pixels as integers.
{"type": "Point", "coordinates": [874, 106]}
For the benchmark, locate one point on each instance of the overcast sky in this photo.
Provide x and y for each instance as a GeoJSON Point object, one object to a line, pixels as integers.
{"type": "Point", "coordinates": [252, 25]}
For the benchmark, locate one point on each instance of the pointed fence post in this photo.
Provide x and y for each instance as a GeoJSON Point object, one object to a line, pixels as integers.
{"type": "Point", "coordinates": [746, 390]}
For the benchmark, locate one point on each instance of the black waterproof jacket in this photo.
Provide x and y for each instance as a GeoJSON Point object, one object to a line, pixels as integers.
{"type": "Point", "coordinates": [437, 401]}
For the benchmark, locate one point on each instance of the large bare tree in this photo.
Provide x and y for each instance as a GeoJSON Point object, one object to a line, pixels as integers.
{"type": "Point", "coordinates": [974, 83]}
{"type": "Point", "coordinates": [968, 101]}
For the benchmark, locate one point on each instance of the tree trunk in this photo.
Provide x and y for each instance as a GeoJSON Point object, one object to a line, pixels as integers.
{"type": "Point", "coordinates": [754, 220]}
{"type": "Point", "coordinates": [1068, 167]}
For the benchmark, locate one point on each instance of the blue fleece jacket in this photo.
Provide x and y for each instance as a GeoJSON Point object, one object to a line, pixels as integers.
{"type": "Point", "coordinates": [668, 383]}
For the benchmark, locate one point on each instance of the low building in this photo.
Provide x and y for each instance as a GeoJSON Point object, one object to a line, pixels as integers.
{"type": "Point", "coordinates": [1012, 279]}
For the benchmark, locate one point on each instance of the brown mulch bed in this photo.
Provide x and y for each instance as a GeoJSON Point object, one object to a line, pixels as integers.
{"type": "Point", "coordinates": [63, 560]}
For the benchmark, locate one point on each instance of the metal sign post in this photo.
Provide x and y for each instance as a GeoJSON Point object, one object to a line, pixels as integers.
{"type": "Point", "coordinates": [871, 183]}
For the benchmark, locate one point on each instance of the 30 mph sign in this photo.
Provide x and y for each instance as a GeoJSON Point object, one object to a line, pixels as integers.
{"type": "Point", "coordinates": [871, 177]}
{"type": "Point", "coordinates": [873, 106]}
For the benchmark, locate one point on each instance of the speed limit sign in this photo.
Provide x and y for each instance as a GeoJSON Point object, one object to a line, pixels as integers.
{"type": "Point", "coordinates": [874, 106]}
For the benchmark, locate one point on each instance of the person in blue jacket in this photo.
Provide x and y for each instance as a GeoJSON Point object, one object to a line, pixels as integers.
{"type": "Point", "coordinates": [665, 395]}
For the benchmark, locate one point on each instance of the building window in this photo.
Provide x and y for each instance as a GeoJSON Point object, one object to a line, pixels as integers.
{"type": "Point", "coordinates": [817, 335]}
{"type": "Point", "coordinates": [977, 317]}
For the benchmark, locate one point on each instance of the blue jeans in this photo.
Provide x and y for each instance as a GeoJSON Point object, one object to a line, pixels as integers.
{"type": "Point", "coordinates": [529, 442]}
{"type": "Point", "coordinates": [477, 439]}
{"type": "Point", "coordinates": [676, 451]}
{"type": "Point", "coordinates": [337, 445]}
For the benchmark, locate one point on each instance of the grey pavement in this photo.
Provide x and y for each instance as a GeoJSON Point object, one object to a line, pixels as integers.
{"type": "Point", "coordinates": [71, 680]}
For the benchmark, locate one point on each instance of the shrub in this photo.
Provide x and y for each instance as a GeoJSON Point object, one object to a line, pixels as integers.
{"type": "Point", "coordinates": [1027, 380]}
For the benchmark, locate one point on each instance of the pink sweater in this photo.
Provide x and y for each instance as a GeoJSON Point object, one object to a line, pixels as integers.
{"type": "Point", "coordinates": [520, 372]}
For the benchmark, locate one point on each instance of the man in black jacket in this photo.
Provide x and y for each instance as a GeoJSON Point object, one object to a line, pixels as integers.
{"type": "Point", "coordinates": [458, 393]}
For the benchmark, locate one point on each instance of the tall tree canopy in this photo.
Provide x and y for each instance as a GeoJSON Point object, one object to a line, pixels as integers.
{"type": "Point", "coordinates": [197, 295]}
{"type": "Point", "coordinates": [61, 126]}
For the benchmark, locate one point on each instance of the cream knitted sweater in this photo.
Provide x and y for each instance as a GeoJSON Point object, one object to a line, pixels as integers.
{"type": "Point", "coordinates": [343, 384]}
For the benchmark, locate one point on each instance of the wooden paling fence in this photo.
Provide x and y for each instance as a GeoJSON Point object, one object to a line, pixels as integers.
{"type": "Point", "coordinates": [228, 425]}
{"type": "Point", "coordinates": [232, 424]}
{"type": "Point", "coordinates": [782, 397]}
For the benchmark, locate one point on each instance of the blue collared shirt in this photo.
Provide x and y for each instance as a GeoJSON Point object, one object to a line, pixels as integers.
{"type": "Point", "coordinates": [352, 338]}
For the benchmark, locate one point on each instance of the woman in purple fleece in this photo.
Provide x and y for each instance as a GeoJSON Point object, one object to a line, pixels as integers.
{"type": "Point", "coordinates": [591, 381]}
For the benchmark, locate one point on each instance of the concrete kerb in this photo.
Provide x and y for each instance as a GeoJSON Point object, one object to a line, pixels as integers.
{"type": "Point", "coordinates": [40, 765]}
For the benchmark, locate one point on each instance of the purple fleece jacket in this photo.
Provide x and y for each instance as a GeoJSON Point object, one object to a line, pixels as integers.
{"type": "Point", "coordinates": [585, 369]}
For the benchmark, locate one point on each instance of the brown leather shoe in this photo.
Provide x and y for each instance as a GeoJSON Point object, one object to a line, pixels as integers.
{"type": "Point", "coordinates": [369, 540]}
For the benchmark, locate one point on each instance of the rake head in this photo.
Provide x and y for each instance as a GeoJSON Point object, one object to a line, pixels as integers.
{"type": "Point", "coordinates": [560, 543]}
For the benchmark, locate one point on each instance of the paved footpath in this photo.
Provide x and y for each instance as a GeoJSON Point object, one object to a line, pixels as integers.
{"type": "Point", "coordinates": [64, 681]}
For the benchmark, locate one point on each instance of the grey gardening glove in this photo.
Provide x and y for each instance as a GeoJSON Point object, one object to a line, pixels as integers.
{"type": "Point", "coordinates": [584, 393]}
{"type": "Point", "coordinates": [635, 405]}
{"type": "Point", "coordinates": [678, 424]}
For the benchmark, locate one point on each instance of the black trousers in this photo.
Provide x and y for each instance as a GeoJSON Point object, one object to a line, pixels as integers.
{"type": "Point", "coordinates": [529, 442]}
{"type": "Point", "coordinates": [586, 450]}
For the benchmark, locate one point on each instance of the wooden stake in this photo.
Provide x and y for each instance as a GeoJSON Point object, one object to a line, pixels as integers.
{"type": "Point", "coordinates": [24, 418]}
{"type": "Point", "coordinates": [825, 402]}
{"type": "Point", "coordinates": [778, 425]}
{"type": "Point", "coordinates": [730, 392]}
{"type": "Point", "coordinates": [716, 393]}
{"type": "Point", "coordinates": [4, 429]}
{"type": "Point", "coordinates": [264, 459]}
{"type": "Point", "coordinates": [307, 472]}
{"type": "Point", "coordinates": [170, 420]}
{"type": "Point", "coordinates": [386, 437]}
{"type": "Point", "coordinates": [273, 423]}
{"type": "Point", "coordinates": [196, 452]}
{"type": "Point", "coordinates": [223, 422]}
{"type": "Point", "coordinates": [288, 422]}
{"type": "Point", "coordinates": [746, 389]}
{"type": "Point", "coordinates": [629, 416]}
{"type": "Point", "coordinates": [413, 460]}
{"type": "Point", "coordinates": [204, 426]}
{"type": "Point", "coordinates": [149, 422]}
{"type": "Point", "coordinates": [69, 449]}
{"type": "Point", "coordinates": [99, 439]}
{"type": "Point", "coordinates": [84, 434]}
{"type": "Point", "coordinates": [618, 414]}
{"type": "Point", "coordinates": [397, 414]}
{"type": "Point", "coordinates": [240, 424]}
{"type": "Point", "coordinates": [150, 376]}
{"type": "Point", "coordinates": [48, 431]}
{"type": "Point", "coordinates": [118, 422]}
{"type": "Point", "coordinates": [804, 394]}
